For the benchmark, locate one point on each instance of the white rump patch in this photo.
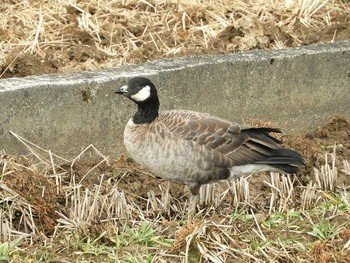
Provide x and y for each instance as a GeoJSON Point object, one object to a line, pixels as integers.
{"type": "Point", "coordinates": [143, 94]}
{"type": "Point", "coordinates": [247, 169]}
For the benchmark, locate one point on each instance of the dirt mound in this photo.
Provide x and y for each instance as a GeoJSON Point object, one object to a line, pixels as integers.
{"type": "Point", "coordinates": [39, 190]}
{"type": "Point", "coordinates": [314, 145]}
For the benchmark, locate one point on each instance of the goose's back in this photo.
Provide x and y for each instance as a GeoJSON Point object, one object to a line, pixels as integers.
{"type": "Point", "coordinates": [169, 147]}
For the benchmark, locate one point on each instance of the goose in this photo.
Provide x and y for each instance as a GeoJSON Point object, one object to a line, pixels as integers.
{"type": "Point", "coordinates": [194, 148]}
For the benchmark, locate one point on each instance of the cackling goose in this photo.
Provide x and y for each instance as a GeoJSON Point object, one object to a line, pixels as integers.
{"type": "Point", "coordinates": [195, 148]}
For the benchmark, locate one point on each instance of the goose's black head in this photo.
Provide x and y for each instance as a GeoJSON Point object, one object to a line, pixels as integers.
{"type": "Point", "coordinates": [140, 90]}
{"type": "Point", "coordinates": [143, 92]}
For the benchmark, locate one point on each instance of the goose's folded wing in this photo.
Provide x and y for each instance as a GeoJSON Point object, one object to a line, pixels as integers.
{"type": "Point", "coordinates": [242, 145]}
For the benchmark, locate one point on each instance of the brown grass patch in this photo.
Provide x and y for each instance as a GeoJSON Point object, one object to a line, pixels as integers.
{"type": "Point", "coordinates": [44, 36]}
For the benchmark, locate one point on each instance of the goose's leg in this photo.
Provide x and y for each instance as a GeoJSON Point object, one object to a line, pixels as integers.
{"type": "Point", "coordinates": [194, 188]}
{"type": "Point", "coordinates": [192, 206]}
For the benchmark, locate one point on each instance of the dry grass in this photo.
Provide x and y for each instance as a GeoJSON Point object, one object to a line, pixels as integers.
{"type": "Point", "coordinates": [101, 220]}
{"type": "Point", "coordinates": [64, 36]}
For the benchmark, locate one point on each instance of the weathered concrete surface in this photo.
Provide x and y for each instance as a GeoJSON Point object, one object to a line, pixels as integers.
{"type": "Point", "coordinates": [296, 89]}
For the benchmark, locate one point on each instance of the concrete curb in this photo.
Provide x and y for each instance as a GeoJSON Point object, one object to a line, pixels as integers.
{"type": "Point", "coordinates": [296, 89]}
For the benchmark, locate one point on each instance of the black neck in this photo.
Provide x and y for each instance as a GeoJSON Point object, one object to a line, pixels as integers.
{"type": "Point", "coordinates": [146, 113]}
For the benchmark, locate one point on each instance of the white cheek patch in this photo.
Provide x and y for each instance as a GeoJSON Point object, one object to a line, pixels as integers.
{"type": "Point", "coordinates": [124, 88]}
{"type": "Point", "coordinates": [143, 94]}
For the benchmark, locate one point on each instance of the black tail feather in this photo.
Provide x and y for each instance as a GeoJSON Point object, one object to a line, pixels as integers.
{"type": "Point", "coordinates": [290, 169]}
{"type": "Point", "coordinates": [285, 159]}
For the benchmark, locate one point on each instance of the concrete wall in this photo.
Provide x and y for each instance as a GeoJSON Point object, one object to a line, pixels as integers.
{"type": "Point", "coordinates": [296, 89]}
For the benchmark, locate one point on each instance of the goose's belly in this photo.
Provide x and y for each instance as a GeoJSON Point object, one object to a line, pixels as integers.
{"type": "Point", "coordinates": [167, 157]}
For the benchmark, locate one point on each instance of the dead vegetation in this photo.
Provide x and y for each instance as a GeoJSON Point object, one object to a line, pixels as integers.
{"type": "Point", "coordinates": [78, 210]}
{"type": "Point", "coordinates": [38, 37]}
